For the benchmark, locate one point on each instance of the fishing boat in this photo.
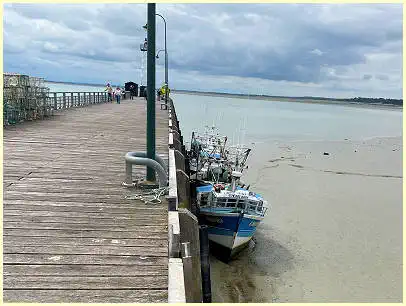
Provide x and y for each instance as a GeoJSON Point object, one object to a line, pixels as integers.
{"type": "Point", "coordinates": [207, 153]}
{"type": "Point", "coordinates": [231, 211]}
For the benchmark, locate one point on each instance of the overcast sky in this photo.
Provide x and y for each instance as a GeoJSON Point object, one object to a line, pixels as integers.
{"type": "Point", "coordinates": [332, 50]}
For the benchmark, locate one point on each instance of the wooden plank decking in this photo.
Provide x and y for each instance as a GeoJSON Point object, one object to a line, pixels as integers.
{"type": "Point", "coordinates": [69, 234]}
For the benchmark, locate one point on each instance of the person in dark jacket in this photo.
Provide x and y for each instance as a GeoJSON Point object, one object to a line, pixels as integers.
{"type": "Point", "coordinates": [158, 94]}
{"type": "Point", "coordinates": [132, 89]}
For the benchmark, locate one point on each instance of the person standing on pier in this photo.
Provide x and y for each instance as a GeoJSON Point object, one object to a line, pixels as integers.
{"type": "Point", "coordinates": [117, 93]}
{"type": "Point", "coordinates": [109, 92]}
{"type": "Point", "coordinates": [132, 89]}
{"type": "Point", "coordinates": [158, 94]}
{"type": "Point", "coordinates": [163, 91]}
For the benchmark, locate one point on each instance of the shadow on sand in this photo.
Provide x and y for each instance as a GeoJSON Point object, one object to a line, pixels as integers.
{"type": "Point", "coordinates": [247, 277]}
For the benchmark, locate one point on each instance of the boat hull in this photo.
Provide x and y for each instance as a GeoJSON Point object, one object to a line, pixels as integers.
{"type": "Point", "coordinates": [229, 232]}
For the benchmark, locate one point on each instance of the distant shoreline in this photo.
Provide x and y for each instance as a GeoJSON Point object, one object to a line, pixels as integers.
{"type": "Point", "coordinates": [308, 100]}
{"type": "Point", "coordinates": [75, 83]}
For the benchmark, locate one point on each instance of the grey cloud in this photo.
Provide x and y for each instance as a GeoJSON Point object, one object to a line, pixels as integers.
{"type": "Point", "coordinates": [341, 44]}
{"type": "Point", "coordinates": [382, 77]}
{"type": "Point", "coordinates": [73, 16]}
{"type": "Point", "coordinates": [276, 42]}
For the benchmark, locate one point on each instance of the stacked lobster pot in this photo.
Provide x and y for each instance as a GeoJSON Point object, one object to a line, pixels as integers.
{"type": "Point", "coordinates": [24, 98]}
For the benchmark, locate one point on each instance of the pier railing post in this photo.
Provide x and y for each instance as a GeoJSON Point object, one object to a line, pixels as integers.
{"type": "Point", "coordinates": [55, 101]}
{"type": "Point", "coordinates": [64, 100]}
{"type": "Point", "coordinates": [71, 99]}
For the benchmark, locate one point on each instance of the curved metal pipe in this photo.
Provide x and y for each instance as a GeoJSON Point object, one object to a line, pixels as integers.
{"type": "Point", "coordinates": [158, 158]}
{"type": "Point", "coordinates": [139, 158]}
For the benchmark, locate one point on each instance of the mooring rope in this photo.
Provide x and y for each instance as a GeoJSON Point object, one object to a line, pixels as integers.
{"type": "Point", "coordinates": [151, 196]}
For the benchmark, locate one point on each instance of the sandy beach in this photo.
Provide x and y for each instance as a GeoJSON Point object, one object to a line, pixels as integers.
{"type": "Point", "coordinates": [334, 233]}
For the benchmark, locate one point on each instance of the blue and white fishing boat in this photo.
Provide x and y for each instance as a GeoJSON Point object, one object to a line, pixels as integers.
{"type": "Point", "coordinates": [231, 211]}
{"type": "Point", "coordinates": [232, 214]}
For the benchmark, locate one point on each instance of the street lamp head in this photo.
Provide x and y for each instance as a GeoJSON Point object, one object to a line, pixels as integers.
{"type": "Point", "coordinates": [157, 56]}
{"type": "Point", "coordinates": [145, 26]}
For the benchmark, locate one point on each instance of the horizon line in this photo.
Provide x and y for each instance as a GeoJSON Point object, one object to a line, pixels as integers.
{"type": "Point", "coordinates": [235, 94]}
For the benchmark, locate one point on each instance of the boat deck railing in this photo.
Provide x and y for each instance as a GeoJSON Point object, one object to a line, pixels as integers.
{"type": "Point", "coordinates": [255, 207]}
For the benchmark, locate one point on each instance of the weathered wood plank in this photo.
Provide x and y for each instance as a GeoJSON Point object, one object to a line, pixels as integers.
{"type": "Point", "coordinates": [64, 166]}
{"type": "Point", "coordinates": [80, 233]}
{"type": "Point", "coordinates": [108, 221]}
{"type": "Point", "coordinates": [32, 241]}
{"type": "Point", "coordinates": [58, 176]}
{"type": "Point", "coordinates": [100, 214]}
{"type": "Point", "coordinates": [11, 176]}
{"type": "Point", "coordinates": [86, 296]}
{"type": "Point", "coordinates": [16, 172]}
{"type": "Point", "coordinates": [87, 250]}
{"type": "Point", "coordinates": [86, 227]}
{"type": "Point", "coordinates": [88, 270]}
{"type": "Point", "coordinates": [72, 190]}
{"type": "Point", "coordinates": [85, 282]}
{"type": "Point", "coordinates": [33, 181]}
{"type": "Point", "coordinates": [8, 182]}
{"type": "Point", "coordinates": [123, 208]}
{"type": "Point", "coordinates": [58, 164]}
{"type": "Point", "coordinates": [57, 196]}
{"type": "Point", "coordinates": [46, 259]}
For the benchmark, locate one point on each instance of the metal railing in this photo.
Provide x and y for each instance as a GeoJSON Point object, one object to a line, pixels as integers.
{"type": "Point", "coordinates": [64, 100]}
{"type": "Point", "coordinates": [21, 108]}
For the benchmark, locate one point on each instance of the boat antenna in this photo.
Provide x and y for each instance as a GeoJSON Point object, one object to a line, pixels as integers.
{"type": "Point", "coordinates": [247, 152]}
{"type": "Point", "coordinates": [191, 140]}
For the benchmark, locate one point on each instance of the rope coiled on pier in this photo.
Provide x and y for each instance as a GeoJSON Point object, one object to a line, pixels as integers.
{"type": "Point", "coordinates": [150, 196]}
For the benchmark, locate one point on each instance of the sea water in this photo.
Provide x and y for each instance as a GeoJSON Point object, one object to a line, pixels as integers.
{"type": "Point", "coordinates": [251, 120]}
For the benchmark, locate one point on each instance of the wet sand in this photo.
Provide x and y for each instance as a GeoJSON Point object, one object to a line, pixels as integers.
{"type": "Point", "coordinates": [334, 233]}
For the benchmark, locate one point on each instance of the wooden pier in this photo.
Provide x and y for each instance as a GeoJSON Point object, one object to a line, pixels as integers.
{"type": "Point", "coordinates": [69, 232]}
